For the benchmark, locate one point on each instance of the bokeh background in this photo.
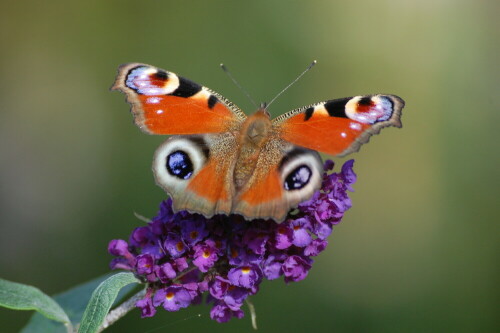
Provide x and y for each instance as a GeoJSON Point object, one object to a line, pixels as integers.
{"type": "Point", "coordinates": [418, 252]}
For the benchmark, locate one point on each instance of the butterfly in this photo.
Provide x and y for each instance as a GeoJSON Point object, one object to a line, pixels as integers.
{"type": "Point", "coordinates": [219, 161]}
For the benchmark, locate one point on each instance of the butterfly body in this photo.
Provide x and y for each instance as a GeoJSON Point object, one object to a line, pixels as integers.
{"type": "Point", "coordinates": [218, 161]}
{"type": "Point", "coordinates": [253, 136]}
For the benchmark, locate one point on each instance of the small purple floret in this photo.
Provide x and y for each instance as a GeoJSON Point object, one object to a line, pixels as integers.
{"type": "Point", "coordinates": [172, 298]}
{"type": "Point", "coordinates": [194, 230]}
{"type": "Point", "coordinates": [272, 268]}
{"type": "Point", "coordinates": [222, 313]}
{"type": "Point", "coordinates": [146, 306]}
{"type": "Point", "coordinates": [118, 247]}
{"type": "Point", "coordinates": [144, 264]}
{"type": "Point", "coordinates": [245, 276]}
{"type": "Point", "coordinates": [315, 248]}
{"type": "Point", "coordinates": [295, 268]}
{"type": "Point", "coordinates": [182, 256]}
{"type": "Point", "coordinates": [205, 257]}
{"type": "Point", "coordinates": [174, 245]}
{"type": "Point", "coordinates": [165, 272]}
{"type": "Point", "coordinates": [301, 228]}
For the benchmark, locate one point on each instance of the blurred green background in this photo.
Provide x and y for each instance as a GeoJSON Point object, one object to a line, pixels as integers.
{"type": "Point", "coordinates": [418, 252]}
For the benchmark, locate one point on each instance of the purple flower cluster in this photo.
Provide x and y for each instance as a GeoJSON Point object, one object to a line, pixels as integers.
{"type": "Point", "coordinates": [181, 255]}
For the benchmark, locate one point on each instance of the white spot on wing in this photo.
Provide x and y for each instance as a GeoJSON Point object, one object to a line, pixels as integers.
{"type": "Point", "coordinates": [355, 126]}
{"type": "Point", "coordinates": [153, 100]}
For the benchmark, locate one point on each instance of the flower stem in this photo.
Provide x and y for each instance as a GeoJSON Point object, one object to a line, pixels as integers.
{"type": "Point", "coordinates": [253, 315]}
{"type": "Point", "coordinates": [121, 310]}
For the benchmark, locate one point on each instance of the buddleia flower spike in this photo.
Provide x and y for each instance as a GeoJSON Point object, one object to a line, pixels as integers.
{"type": "Point", "coordinates": [183, 256]}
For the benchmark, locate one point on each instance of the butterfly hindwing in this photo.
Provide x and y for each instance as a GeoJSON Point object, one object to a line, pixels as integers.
{"type": "Point", "coordinates": [285, 175]}
{"type": "Point", "coordinates": [340, 126]}
{"type": "Point", "coordinates": [165, 103]}
{"type": "Point", "coordinates": [197, 170]}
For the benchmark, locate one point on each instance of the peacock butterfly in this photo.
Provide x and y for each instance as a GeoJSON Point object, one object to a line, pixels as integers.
{"type": "Point", "coordinates": [219, 161]}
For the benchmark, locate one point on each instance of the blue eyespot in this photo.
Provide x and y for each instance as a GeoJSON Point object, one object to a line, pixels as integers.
{"type": "Point", "coordinates": [298, 178]}
{"type": "Point", "coordinates": [179, 165]}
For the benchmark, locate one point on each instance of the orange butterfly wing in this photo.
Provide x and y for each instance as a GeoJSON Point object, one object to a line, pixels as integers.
{"type": "Point", "coordinates": [339, 127]}
{"type": "Point", "coordinates": [164, 103]}
{"type": "Point", "coordinates": [285, 175]}
{"type": "Point", "coordinates": [196, 172]}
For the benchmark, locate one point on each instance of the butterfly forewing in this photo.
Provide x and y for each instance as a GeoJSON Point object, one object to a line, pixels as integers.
{"type": "Point", "coordinates": [165, 103]}
{"type": "Point", "coordinates": [339, 127]}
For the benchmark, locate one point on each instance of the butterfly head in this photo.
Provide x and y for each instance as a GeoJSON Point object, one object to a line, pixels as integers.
{"type": "Point", "coordinates": [263, 109]}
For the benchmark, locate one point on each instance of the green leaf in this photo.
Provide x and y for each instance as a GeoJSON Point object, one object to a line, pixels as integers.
{"type": "Point", "coordinates": [102, 299]}
{"type": "Point", "coordinates": [73, 301]}
{"type": "Point", "coordinates": [19, 296]}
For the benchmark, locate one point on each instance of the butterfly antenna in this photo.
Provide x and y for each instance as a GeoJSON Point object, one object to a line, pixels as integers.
{"type": "Point", "coordinates": [291, 84]}
{"type": "Point", "coordinates": [224, 68]}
